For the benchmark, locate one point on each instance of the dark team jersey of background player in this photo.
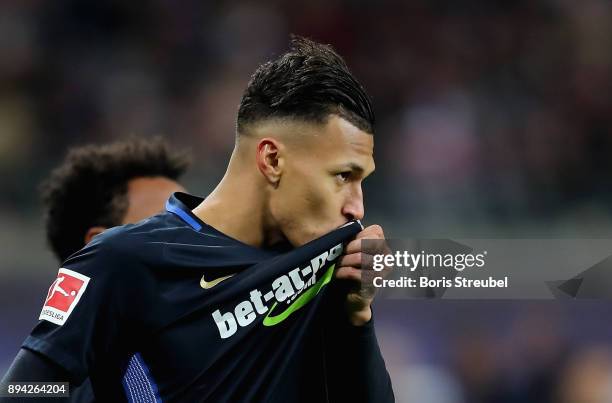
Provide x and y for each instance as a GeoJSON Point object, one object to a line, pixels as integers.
{"type": "Point", "coordinates": [143, 329]}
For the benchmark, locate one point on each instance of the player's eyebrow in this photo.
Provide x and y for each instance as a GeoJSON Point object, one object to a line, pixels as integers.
{"type": "Point", "coordinates": [353, 166]}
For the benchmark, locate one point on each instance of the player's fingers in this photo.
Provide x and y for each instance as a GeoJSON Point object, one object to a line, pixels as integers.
{"type": "Point", "coordinates": [353, 247]}
{"type": "Point", "coordinates": [358, 260]}
{"type": "Point", "coordinates": [348, 273]}
{"type": "Point", "coordinates": [375, 241]}
{"type": "Point", "coordinates": [367, 245]}
{"type": "Point", "coordinates": [371, 232]}
{"type": "Point", "coordinates": [354, 260]}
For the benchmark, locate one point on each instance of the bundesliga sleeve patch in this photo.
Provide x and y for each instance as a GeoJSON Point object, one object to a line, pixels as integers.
{"type": "Point", "coordinates": [63, 296]}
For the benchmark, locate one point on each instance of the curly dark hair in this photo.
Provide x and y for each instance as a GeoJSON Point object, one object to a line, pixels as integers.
{"type": "Point", "coordinates": [309, 82]}
{"type": "Point", "coordinates": [90, 187]}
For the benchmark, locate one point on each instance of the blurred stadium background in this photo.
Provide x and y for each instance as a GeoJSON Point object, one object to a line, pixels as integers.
{"type": "Point", "coordinates": [494, 120]}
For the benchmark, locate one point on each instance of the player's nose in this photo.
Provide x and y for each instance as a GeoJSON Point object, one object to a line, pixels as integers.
{"type": "Point", "coordinates": [353, 208]}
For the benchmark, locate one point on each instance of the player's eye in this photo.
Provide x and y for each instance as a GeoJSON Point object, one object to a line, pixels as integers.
{"type": "Point", "coordinates": [344, 176]}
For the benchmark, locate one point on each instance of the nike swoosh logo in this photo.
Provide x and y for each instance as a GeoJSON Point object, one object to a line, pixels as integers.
{"type": "Point", "coordinates": [210, 284]}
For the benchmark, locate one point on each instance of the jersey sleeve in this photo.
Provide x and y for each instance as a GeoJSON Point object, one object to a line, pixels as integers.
{"type": "Point", "coordinates": [356, 368]}
{"type": "Point", "coordinates": [90, 311]}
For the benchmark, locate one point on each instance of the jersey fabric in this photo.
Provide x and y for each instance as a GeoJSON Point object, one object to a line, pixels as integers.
{"type": "Point", "coordinates": [170, 309]}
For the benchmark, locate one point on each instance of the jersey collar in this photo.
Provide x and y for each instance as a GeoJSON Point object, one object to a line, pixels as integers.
{"type": "Point", "coordinates": [182, 204]}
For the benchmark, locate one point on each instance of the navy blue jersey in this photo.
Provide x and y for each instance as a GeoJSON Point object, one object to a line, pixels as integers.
{"type": "Point", "coordinates": [170, 309]}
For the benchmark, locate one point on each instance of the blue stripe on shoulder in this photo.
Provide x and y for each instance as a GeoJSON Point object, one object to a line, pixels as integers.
{"type": "Point", "coordinates": [184, 215]}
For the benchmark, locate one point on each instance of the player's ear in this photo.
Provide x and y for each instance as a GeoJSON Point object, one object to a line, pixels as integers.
{"type": "Point", "coordinates": [92, 232]}
{"type": "Point", "coordinates": [270, 159]}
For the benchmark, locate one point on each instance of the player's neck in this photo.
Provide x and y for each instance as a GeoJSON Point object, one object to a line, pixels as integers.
{"type": "Point", "coordinates": [235, 208]}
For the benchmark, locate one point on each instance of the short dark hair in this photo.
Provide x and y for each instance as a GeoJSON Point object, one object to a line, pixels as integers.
{"type": "Point", "coordinates": [309, 82]}
{"type": "Point", "coordinates": [90, 187]}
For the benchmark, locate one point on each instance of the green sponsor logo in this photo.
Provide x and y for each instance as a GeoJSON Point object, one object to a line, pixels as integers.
{"type": "Point", "coordinates": [290, 292]}
{"type": "Point", "coordinates": [302, 300]}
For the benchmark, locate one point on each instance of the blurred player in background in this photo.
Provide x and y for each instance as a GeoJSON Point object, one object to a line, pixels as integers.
{"type": "Point", "coordinates": [102, 186]}
{"type": "Point", "coordinates": [151, 310]}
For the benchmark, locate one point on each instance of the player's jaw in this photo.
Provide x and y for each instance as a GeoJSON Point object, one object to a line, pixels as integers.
{"type": "Point", "coordinates": [321, 184]}
{"type": "Point", "coordinates": [308, 204]}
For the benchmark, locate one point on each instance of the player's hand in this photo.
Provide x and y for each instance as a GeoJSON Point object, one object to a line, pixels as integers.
{"type": "Point", "coordinates": [356, 266]}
